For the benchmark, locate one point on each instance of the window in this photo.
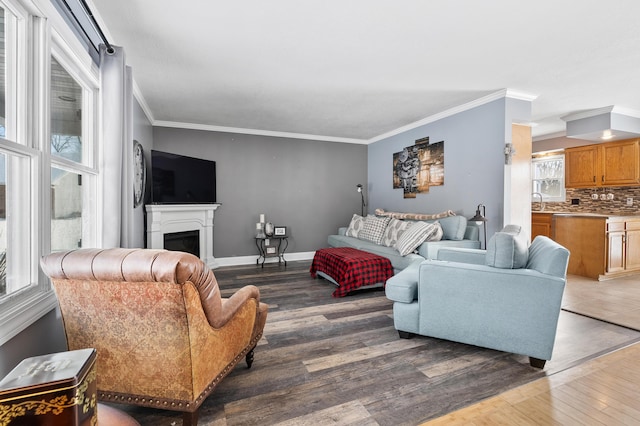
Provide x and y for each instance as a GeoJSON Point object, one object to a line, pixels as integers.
{"type": "Point", "coordinates": [72, 174]}
{"type": "Point", "coordinates": [66, 114]}
{"type": "Point", "coordinates": [3, 88]}
{"type": "Point", "coordinates": [48, 172]}
{"type": "Point", "coordinates": [548, 177]}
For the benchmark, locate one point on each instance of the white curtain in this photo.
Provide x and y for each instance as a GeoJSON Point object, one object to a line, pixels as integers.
{"type": "Point", "coordinates": [116, 159]}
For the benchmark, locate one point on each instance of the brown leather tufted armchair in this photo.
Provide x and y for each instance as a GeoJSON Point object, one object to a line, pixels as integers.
{"type": "Point", "coordinates": [164, 336]}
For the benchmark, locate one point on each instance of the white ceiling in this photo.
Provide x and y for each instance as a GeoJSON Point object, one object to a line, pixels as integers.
{"type": "Point", "coordinates": [356, 69]}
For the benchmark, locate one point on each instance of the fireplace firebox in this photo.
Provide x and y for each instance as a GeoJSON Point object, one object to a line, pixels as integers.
{"type": "Point", "coordinates": [187, 241]}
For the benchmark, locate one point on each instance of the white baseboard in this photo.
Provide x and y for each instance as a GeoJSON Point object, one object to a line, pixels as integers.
{"type": "Point", "coordinates": [251, 260]}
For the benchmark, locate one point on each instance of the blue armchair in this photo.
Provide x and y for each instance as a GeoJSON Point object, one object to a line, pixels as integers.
{"type": "Point", "coordinates": [507, 297]}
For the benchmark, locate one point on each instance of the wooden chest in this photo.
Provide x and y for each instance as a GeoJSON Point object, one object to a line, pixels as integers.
{"type": "Point", "coordinates": [55, 389]}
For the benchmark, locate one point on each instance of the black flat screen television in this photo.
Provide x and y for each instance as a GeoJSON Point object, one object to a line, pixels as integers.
{"type": "Point", "coordinates": [177, 179]}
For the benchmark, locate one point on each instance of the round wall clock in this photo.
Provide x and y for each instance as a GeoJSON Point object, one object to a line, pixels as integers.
{"type": "Point", "coordinates": [139, 174]}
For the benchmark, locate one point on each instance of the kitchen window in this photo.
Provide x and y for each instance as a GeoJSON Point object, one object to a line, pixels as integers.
{"type": "Point", "coordinates": [548, 177]}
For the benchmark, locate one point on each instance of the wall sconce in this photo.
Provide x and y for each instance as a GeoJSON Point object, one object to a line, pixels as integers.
{"type": "Point", "coordinates": [509, 151]}
{"type": "Point", "coordinates": [481, 219]}
{"type": "Point", "coordinates": [359, 188]}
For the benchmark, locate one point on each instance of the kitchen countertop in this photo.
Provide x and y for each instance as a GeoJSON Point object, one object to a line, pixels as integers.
{"type": "Point", "coordinates": [588, 214]}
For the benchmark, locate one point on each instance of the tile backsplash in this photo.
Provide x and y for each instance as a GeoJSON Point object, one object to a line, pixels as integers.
{"type": "Point", "coordinates": [587, 205]}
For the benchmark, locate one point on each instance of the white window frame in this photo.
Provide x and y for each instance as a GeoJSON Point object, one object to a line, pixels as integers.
{"type": "Point", "coordinates": [89, 166]}
{"type": "Point", "coordinates": [37, 33]}
{"type": "Point", "coordinates": [541, 159]}
{"type": "Point", "coordinates": [23, 33]}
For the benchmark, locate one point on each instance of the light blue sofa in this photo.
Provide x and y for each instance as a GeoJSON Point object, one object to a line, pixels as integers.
{"type": "Point", "coordinates": [459, 297]}
{"type": "Point", "coordinates": [456, 232]}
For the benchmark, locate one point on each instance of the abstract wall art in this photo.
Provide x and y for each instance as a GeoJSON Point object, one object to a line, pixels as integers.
{"type": "Point", "coordinates": [418, 167]}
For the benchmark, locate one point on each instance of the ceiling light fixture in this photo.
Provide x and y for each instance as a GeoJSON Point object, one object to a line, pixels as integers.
{"type": "Point", "coordinates": [607, 134]}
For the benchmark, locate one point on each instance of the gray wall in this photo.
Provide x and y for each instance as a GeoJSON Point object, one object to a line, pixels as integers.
{"type": "Point", "coordinates": [473, 166]}
{"type": "Point", "coordinates": [143, 133]}
{"type": "Point", "coordinates": [44, 336]}
{"type": "Point", "coordinates": [308, 186]}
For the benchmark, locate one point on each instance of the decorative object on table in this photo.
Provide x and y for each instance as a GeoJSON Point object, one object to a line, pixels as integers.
{"type": "Point", "coordinates": [54, 389]}
{"type": "Point", "coordinates": [260, 227]}
{"type": "Point", "coordinates": [481, 219]}
{"type": "Point", "coordinates": [268, 229]}
{"type": "Point", "coordinates": [260, 230]}
{"type": "Point", "coordinates": [139, 174]}
{"type": "Point", "coordinates": [363, 205]}
{"type": "Point", "coordinates": [418, 167]}
{"type": "Point", "coordinates": [279, 231]}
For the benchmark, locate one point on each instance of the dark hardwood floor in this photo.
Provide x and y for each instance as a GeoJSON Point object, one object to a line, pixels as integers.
{"type": "Point", "coordinates": [326, 360]}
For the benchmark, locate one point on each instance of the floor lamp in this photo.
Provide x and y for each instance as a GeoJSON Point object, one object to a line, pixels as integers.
{"type": "Point", "coordinates": [481, 219]}
{"type": "Point", "coordinates": [359, 187]}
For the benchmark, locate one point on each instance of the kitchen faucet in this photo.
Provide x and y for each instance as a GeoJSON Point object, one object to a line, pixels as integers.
{"type": "Point", "coordinates": [541, 202]}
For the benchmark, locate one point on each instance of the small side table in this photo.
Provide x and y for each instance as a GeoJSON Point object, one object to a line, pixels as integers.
{"type": "Point", "coordinates": [274, 246]}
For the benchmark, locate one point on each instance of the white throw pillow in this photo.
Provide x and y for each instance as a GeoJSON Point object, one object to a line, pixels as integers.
{"type": "Point", "coordinates": [373, 229]}
{"type": "Point", "coordinates": [355, 226]}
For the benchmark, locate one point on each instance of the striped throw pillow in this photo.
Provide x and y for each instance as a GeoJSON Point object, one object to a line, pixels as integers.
{"type": "Point", "coordinates": [416, 235]}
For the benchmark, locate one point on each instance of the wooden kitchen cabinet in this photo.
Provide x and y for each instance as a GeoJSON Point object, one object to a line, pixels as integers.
{"type": "Point", "coordinates": [541, 224]}
{"type": "Point", "coordinates": [607, 164]}
{"type": "Point", "coordinates": [581, 166]}
{"type": "Point", "coordinates": [615, 247]}
{"type": "Point", "coordinates": [632, 245]}
{"type": "Point", "coordinates": [601, 247]}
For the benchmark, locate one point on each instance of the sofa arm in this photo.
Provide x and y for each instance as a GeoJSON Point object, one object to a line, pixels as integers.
{"type": "Point", "coordinates": [403, 287]}
{"type": "Point", "coordinates": [342, 230]}
{"type": "Point", "coordinates": [463, 255]}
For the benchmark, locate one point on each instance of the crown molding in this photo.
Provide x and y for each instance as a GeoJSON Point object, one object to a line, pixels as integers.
{"type": "Point", "coordinates": [598, 111]}
{"type": "Point", "coordinates": [137, 93]}
{"type": "Point", "coordinates": [588, 113]}
{"type": "Point", "coordinates": [514, 94]}
{"type": "Point", "coordinates": [257, 132]}
{"type": "Point", "coordinates": [504, 93]}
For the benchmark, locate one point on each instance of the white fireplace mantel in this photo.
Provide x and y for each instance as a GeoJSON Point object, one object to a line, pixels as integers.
{"type": "Point", "coordinates": [169, 218]}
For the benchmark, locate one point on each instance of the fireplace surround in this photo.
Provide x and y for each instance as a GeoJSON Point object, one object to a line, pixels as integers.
{"type": "Point", "coordinates": [163, 219]}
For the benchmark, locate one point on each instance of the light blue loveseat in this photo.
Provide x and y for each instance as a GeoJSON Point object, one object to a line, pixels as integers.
{"type": "Point", "coordinates": [512, 307]}
{"type": "Point", "coordinates": [456, 232]}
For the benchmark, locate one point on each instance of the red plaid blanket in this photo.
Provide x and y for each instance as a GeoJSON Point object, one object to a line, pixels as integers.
{"type": "Point", "coordinates": [351, 268]}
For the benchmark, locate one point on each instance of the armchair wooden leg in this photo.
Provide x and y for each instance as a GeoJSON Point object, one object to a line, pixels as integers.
{"type": "Point", "coordinates": [536, 363]}
{"type": "Point", "coordinates": [405, 334]}
{"type": "Point", "coordinates": [190, 419]}
{"type": "Point", "coordinates": [249, 357]}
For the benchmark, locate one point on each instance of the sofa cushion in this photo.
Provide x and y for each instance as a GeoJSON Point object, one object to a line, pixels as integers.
{"type": "Point", "coordinates": [355, 226]}
{"type": "Point", "coordinates": [508, 249]}
{"type": "Point", "coordinates": [548, 257]}
{"type": "Point", "coordinates": [453, 227]}
{"type": "Point", "coordinates": [373, 228]}
{"type": "Point", "coordinates": [415, 235]}
{"type": "Point", "coordinates": [395, 228]}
